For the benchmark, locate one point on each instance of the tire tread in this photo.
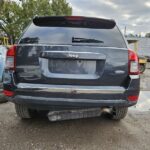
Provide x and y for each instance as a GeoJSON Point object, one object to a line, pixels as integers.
{"type": "Point", "coordinates": [22, 111]}
{"type": "Point", "coordinates": [119, 113]}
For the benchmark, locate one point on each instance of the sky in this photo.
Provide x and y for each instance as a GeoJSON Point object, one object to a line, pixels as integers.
{"type": "Point", "coordinates": [134, 14]}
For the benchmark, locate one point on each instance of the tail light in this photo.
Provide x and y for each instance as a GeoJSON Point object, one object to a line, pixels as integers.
{"type": "Point", "coordinates": [10, 58]}
{"type": "Point", "coordinates": [74, 18]}
{"type": "Point", "coordinates": [133, 63]}
{"type": "Point", "coordinates": [8, 93]}
{"type": "Point", "coordinates": [133, 98]}
{"type": "Point", "coordinates": [10, 65]}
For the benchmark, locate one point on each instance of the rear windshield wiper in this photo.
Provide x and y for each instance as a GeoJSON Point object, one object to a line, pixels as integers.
{"type": "Point", "coordinates": [85, 40]}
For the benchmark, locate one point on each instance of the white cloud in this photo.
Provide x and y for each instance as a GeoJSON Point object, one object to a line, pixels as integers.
{"type": "Point", "coordinates": [135, 14]}
{"type": "Point", "coordinates": [126, 16]}
{"type": "Point", "coordinates": [134, 25]}
{"type": "Point", "coordinates": [147, 4]}
{"type": "Point", "coordinates": [110, 3]}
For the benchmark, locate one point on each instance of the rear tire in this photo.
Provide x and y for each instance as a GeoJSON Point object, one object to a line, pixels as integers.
{"type": "Point", "coordinates": [3, 100]}
{"type": "Point", "coordinates": [142, 68]}
{"type": "Point", "coordinates": [2, 97]}
{"type": "Point", "coordinates": [119, 113]}
{"type": "Point", "coordinates": [23, 112]}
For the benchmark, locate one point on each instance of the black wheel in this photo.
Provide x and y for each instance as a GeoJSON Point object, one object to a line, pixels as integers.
{"type": "Point", "coordinates": [24, 112]}
{"type": "Point", "coordinates": [142, 68]}
{"type": "Point", "coordinates": [3, 99]}
{"type": "Point", "coordinates": [119, 113]}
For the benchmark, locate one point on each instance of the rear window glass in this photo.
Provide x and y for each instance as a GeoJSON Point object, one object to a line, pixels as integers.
{"type": "Point", "coordinates": [73, 36]}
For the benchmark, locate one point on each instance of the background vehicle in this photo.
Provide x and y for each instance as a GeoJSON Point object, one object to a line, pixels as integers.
{"type": "Point", "coordinates": [71, 63]}
{"type": "Point", "coordinates": [142, 62]}
{"type": "Point", "coordinates": [3, 51]}
{"type": "Point", "coordinates": [141, 47]}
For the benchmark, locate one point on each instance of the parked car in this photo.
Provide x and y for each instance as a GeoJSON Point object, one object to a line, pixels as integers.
{"type": "Point", "coordinates": [3, 51]}
{"type": "Point", "coordinates": [142, 63]}
{"type": "Point", "coordinates": [148, 58]}
{"type": "Point", "coordinates": [72, 63]}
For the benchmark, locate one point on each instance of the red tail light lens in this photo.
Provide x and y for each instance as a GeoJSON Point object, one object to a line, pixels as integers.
{"type": "Point", "coordinates": [10, 58]}
{"type": "Point", "coordinates": [133, 98]}
{"type": "Point", "coordinates": [8, 93]}
{"type": "Point", "coordinates": [74, 18]}
{"type": "Point", "coordinates": [133, 63]}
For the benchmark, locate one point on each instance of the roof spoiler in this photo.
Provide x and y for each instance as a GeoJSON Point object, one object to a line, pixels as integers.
{"type": "Point", "coordinates": [74, 21]}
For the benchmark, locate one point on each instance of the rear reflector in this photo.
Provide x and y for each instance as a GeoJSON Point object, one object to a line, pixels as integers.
{"type": "Point", "coordinates": [133, 63]}
{"type": "Point", "coordinates": [133, 98]}
{"type": "Point", "coordinates": [8, 93]}
{"type": "Point", "coordinates": [10, 58]}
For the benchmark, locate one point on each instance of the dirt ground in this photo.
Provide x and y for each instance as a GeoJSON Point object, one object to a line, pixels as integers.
{"type": "Point", "coordinates": [132, 133]}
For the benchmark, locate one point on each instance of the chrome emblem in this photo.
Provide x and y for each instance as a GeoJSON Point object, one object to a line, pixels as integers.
{"type": "Point", "coordinates": [73, 55]}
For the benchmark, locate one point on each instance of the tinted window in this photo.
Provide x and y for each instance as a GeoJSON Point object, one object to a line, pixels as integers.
{"type": "Point", "coordinates": [66, 35]}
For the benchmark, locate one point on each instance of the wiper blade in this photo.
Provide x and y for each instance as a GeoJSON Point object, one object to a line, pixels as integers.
{"type": "Point", "coordinates": [85, 40]}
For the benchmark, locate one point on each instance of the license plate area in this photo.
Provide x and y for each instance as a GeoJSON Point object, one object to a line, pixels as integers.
{"type": "Point", "coordinates": [72, 65]}
{"type": "Point", "coordinates": [76, 67]}
{"type": "Point", "coordinates": [71, 69]}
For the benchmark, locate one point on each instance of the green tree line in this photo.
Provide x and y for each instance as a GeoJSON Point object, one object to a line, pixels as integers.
{"type": "Point", "coordinates": [16, 15]}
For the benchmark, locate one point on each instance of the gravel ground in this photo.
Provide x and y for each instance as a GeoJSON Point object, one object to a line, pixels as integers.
{"type": "Point", "coordinates": [132, 133]}
{"type": "Point", "coordinates": [84, 134]}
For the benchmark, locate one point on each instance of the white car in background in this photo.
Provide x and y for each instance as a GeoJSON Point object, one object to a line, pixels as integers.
{"type": "Point", "coordinates": [3, 51]}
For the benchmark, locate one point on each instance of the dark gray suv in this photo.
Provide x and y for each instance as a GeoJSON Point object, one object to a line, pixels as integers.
{"type": "Point", "coordinates": [71, 63]}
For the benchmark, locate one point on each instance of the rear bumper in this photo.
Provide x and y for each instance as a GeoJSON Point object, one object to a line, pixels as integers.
{"type": "Point", "coordinates": [44, 103]}
{"type": "Point", "coordinates": [73, 96]}
{"type": "Point", "coordinates": [68, 97]}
